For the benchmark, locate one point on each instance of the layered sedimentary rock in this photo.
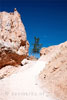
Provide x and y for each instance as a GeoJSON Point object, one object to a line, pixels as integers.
{"type": "Point", "coordinates": [13, 43]}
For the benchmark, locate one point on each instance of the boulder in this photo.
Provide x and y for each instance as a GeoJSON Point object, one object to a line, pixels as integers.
{"type": "Point", "coordinates": [13, 42]}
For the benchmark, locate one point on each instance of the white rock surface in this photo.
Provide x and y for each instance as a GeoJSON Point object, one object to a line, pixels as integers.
{"type": "Point", "coordinates": [12, 31]}
{"type": "Point", "coordinates": [12, 38]}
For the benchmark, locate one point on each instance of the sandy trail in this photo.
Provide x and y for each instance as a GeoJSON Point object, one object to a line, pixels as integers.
{"type": "Point", "coordinates": [23, 85]}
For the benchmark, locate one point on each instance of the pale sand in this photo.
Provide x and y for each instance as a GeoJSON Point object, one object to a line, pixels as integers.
{"type": "Point", "coordinates": [23, 85]}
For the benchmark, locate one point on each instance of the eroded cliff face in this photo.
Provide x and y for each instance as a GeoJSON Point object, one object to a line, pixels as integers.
{"type": "Point", "coordinates": [13, 43]}
{"type": "Point", "coordinates": [54, 75]}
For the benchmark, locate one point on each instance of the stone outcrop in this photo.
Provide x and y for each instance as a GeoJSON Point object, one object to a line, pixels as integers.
{"type": "Point", "coordinates": [54, 75]}
{"type": "Point", "coordinates": [45, 51]}
{"type": "Point", "coordinates": [13, 43]}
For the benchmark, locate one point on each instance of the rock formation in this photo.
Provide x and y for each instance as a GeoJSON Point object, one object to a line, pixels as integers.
{"type": "Point", "coordinates": [54, 75]}
{"type": "Point", "coordinates": [13, 43]}
{"type": "Point", "coordinates": [45, 51]}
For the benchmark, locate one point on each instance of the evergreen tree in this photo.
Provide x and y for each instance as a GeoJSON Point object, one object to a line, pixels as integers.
{"type": "Point", "coordinates": [36, 46]}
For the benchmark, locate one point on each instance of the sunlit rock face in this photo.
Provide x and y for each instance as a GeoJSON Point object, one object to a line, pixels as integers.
{"type": "Point", "coordinates": [54, 74]}
{"type": "Point", "coordinates": [45, 51]}
{"type": "Point", "coordinates": [13, 43]}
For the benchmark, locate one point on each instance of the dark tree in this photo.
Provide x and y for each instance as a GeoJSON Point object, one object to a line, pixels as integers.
{"type": "Point", "coordinates": [36, 46]}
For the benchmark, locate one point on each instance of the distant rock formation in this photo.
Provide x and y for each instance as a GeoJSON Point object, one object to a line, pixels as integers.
{"type": "Point", "coordinates": [13, 43]}
{"type": "Point", "coordinates": [54, 75]}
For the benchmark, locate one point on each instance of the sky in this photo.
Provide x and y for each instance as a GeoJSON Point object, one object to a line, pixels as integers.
{"type": "Point", "coordinates": [46, 19]}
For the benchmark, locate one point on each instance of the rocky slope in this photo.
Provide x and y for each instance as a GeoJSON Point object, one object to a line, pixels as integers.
{"type": "Point", "coordinates": [13, 43]}
{"type": "Point", "coordinates": [45, 51]}
{"type": "Point", "coordinates": [24, 83]}
{"type": "Point", "coordinates": [54, 76]}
